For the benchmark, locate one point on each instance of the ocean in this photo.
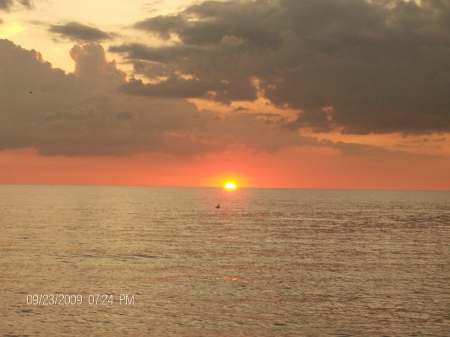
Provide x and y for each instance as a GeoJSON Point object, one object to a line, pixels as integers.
{"type": "Point", "coordinates": [163, 261]}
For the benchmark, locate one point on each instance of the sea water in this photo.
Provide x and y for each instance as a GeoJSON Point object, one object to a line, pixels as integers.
{"type": "Point", "coordinates": [163, 261]}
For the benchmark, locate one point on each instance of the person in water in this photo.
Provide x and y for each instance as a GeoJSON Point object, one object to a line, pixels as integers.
{"type": "Point", "coordinates": [218, 206]}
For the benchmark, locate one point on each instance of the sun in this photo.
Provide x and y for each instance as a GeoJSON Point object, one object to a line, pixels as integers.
{"type": "Point", "coordinates": [229, 185]}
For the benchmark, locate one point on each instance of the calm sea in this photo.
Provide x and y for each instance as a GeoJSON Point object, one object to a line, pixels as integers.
{"type": "Point", "coordinates": [149, 261]}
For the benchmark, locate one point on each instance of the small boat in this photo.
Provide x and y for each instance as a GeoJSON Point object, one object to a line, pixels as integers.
{"type": "Point", "coordinates": [218, 206]}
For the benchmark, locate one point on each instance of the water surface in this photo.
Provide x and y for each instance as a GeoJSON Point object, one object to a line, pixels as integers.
{"type": "Point", "coordinates": [269, 262]}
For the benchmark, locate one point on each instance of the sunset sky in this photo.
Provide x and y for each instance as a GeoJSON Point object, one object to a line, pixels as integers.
{"type": "Point", "coordinates": [267, 93]}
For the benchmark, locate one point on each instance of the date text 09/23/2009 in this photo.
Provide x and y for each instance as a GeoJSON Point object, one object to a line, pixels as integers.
{"type": "Point", "coordinates": [79, 299]}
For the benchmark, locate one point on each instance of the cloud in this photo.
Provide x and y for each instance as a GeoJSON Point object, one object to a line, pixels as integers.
{"type": "Point", "coordinates": [78, 32]}
{"type": "Point", "coordinates": [210, 22]}
{"type": "Point", "coordinates": [232, 85]}
{"type": "Point", "coordinates": [241, 108]}
{"type": "Point", "coordinates": [5, 4]}
{"type": "Point", "coordinates": [26, 3]}
{"type": "Point", "coordinates": [85, 114]}
{"type": "Point", "coordinates": [173, 88]}
{"type": "Point", "coordinates": [355, 66]}
{"type": "Point", "coordinates": [92, 67]}
{"type": "Point", "coordinates": [155, 54]}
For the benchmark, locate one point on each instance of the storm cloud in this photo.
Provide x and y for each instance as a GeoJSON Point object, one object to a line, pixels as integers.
{"type": "Point", "coordinates": [78, 32]}
{"type": "Point", "coordinates": [354, 66]}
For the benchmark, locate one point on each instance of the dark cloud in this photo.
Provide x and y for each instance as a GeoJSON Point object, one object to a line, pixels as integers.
{"type": "Point", "coordinates": [26, 3]}
{"type": "Point", "coordinates": [170, 54]}
{"type": "Point", "coordinates": [214, 20]}
{"type": "Point", "coordinates": [5, 4]}
{"type": "Point", "coordinates": [161, 62]}
{"type": "Point", "coordinates": [84, 114]}
{"type": "Point", "coordinates": [78, 32]}
{"type": "Point", "coordinates": [163, 25]}
{"type": "Point", "coordinates": [234, 85]}
{"type": "Point", "coordinates": [364, 150]}
{"type": "Point", "coordinates": [351, 65]}
{"type": "Point", "coordinates": [173, 88]}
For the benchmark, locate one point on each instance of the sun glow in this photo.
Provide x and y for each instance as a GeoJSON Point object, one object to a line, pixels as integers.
{"type": "Point", "coordinates": [230, 186]}
{"type": "Point", "coordinates": [9, 29]}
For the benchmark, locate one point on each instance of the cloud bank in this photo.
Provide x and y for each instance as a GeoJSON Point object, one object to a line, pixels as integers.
{"type": "Point", "coordinates": [84, 114]}
{"type": "Point", "coordinates": [355, 66]}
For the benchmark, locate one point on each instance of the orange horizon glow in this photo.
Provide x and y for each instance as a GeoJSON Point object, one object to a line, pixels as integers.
{"type": "Point", "coordinates": [302, 168]}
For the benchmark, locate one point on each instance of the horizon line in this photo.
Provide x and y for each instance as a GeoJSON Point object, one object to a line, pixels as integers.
{"type": "Point", "coordinates": [239, 187]}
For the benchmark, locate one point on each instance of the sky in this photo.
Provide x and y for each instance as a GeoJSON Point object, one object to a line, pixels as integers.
{"type": "Point", "coordinates": [346, 94]}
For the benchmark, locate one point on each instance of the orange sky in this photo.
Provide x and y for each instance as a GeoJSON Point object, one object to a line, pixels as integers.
{"type": "Point", "coordinates": [291, 168]}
